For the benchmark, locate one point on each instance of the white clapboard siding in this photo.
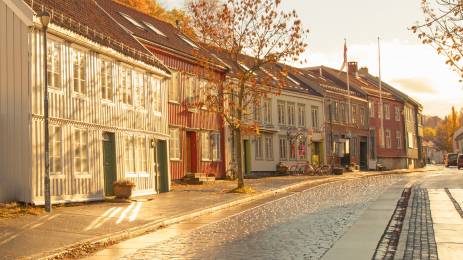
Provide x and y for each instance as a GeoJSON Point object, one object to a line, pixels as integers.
{"type": "Point", "coordinates": [15, 141]}
{"type": "Point", "coordinates": [70, 111]}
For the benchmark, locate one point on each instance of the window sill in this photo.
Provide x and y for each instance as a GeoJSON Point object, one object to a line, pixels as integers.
{"type": "Point", "coordinates": [79, 96]}
{"type": "Point", "coordinates": [175, 159]}
{"type": "Point", "coordinates": [174, 102]}
{"type": "Point", "coordinates": [57, 176]}
{"type": "Point", "coordinates": [82, 176]}
{"type": "Point", "coordinates": [107, 102]}
{"type": "Point", "coordinates": [157, 114]}
{"type": "Point", "coordinates": [55, 90]}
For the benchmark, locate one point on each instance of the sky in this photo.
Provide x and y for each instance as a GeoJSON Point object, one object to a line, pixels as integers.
{"type": "Point", "coordinates": [408, 65]}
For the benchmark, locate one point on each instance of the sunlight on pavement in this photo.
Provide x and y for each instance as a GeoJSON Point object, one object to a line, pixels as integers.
{"type": "Point", "coordinates": [99, 219]}
{"type": "Point", "coordinates": [28, 227]}
{"type": "Point", "coordinates": [447, 223]}
{"type": "Point", "coordinates": [124, 213]}
{"type": "Point", "coordinates": [135, 212]}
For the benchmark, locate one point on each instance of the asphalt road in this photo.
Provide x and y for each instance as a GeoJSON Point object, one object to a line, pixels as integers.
{"type": "Point", "coordinates": [357, 219]}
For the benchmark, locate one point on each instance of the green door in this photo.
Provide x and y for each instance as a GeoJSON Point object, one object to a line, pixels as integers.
{"type": "Point", "coordinates": [163, 180]}
{"type": "Point", "coordinates": [109, 162]}
{"type": "Point", "coordinates": [247, 157]}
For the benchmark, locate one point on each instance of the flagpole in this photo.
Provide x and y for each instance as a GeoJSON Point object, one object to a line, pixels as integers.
{"type": "Point", "coordinates": [381, 107]}
{"type": "Point", "coordinates": [348, 87]}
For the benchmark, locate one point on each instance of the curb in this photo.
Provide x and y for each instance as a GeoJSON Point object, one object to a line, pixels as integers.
{"type": "Point", "coordinates": [155, 225]}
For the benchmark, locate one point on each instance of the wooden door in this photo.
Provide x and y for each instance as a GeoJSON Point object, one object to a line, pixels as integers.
{"type": "Point", "coordinates": [191, 153]}
{"type": "Point", "coordinates": [109, 162]}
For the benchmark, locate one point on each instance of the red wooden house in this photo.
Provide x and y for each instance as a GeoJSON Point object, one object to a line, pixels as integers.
{"type": "Point", "coordinates": [196, 135]}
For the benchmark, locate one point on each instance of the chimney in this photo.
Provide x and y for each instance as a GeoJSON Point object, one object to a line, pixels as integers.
{"type": "Point", "coordinates": [353, 68]}
{"type": "Point", "coordinates": [363, 71]}
{"type": "Point", "coordinates": [177, 23]}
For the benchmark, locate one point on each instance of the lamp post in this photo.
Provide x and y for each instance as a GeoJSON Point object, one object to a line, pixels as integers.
{"type": "Point", "coordinates": [45, 20]}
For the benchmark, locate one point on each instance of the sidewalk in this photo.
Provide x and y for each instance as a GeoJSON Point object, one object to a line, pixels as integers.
{"type": "Point", "coordinates": [103, 223]}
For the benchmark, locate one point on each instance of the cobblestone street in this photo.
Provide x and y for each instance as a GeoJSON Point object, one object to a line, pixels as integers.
{"type": "Point", "coordinates": [302, 226]}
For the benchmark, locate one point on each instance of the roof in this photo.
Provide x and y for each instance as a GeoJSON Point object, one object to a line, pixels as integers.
{"type": "Point", "coordinates": [334, 80]}
{"type": "Point", "coordinates": [155, 32]}
{"type": "Point", "coordinates": [371, 86]}
{"type": "Point", "coordinates": [96, 25]}
{"type": "Point", "coordinates": [267, 72]}
{"type": "Point", "coordinates": [397, 92]}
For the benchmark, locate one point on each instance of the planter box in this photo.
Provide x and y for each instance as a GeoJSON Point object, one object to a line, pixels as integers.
{"type": "Point", "coordinates": [122, 191]}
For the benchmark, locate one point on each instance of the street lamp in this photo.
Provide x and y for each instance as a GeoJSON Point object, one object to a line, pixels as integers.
{"type": "Point", "coordinates": [45, 20]}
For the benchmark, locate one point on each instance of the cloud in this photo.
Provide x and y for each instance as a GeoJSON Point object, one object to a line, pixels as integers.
{"type": "Point", "coordinates": [414, 85]}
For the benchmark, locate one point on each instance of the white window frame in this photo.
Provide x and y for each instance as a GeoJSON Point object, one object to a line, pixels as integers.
{"type": "Point", "coordinates": [397, 113]}
{"type": "Point", "coordinates": [267, 113]}
{"type": "Point", "coordinates": [126, 85]}
{"type": "Point", "coordinates": [174, 144]}
{"type": "Point", "coordinates": [84, 153]}
{"type": "Point", "coordinates": [54, 64]}
{"type": "Point", "coordinates": [268, 145]}
{"type": "Point", "coordinates": [398, 138]}
{"type": "Point", "coordinates": [259, 147]}
{"type": "Point", "coordinates": [139, 89]}
{"type": "Point", "coordinates": [354, 113]}
{"type": "Point", "coordinates": [205, 146]}
{"type": "Point", "coordinates": [301, 115]}
{"type": "Point", "coordinates": [371, 106]}
{"type": "Point", "coordinates": [215, 144]}
{"type": "Point", "coordinates": [188, 41]}
{"type": "Point", "coordinates": [315, 117]}
{"type": "Point", "coordinates": [79, 77]}
{"type": "Point", "coordinates": [131, 20]}
{"type": "Point", "coordinates": [106, 80]}
{"type": "Point", "coordinates": [283, 149]}
{"type": "Point", "coordinates": [291, 108]}
{"type": "Point", "coordinates": [154, 28]}
{"type": "Point", "coordinates": [56, 158]}
{"type": "Point", "coordinates": [387, 112]}
{"type": "Point", "coordinates": [156, 94]}
{"type": "Point", "coordinates": [281, 105]}
{"type": "Point", "coordinates": [388, 139]}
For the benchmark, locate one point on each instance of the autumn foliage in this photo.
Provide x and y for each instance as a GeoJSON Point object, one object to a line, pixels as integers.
{"type": "Point", "coordinates": [252, 38]}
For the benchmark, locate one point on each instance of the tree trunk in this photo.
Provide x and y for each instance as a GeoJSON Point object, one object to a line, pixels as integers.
{"type": "Point", "coordinates": [239, 158]}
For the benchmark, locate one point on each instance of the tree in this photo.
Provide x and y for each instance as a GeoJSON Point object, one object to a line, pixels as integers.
{"type": "Point", "coordinates": [443, 30]}
{"type": "Point", "coordinates": [250, 36]}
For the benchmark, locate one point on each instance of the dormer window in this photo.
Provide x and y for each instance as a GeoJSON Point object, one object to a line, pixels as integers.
{"type": "Point", "coordinates": [188, 41]}
{"type": "Point", "coordinates": [132, 21]}
{"type": "Point", "coordinates": [245, 68]}
{"type": "Point", "coordinates": [269, 74]}
{"type": "Point", "coordinates": [154, 29]}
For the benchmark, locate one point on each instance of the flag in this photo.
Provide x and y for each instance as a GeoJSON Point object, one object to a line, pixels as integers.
{"type": "Point", "coordinates": [345, 56]}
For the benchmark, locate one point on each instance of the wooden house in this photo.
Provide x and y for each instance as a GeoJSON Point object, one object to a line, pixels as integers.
{"type": "Point", "coordinates": [107, 105]}
{"type": "Point", "coordinates": [196, 135]}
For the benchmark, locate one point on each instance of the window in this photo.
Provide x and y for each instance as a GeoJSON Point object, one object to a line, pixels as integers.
{"type": "Point", "coordinates": [257, 113]}
{"type": "Point", "coordinates": [174, 88]}
{"type": "Point", "coordinates": [411, 142]}
{"type": "Point", "coordinates": [56, 150]}
{"type": "Point", "coordinates": [343, 112]}
{"type": "Point", "coordinates": [141, 148]}
{"type": "Point", "coordinates": [129, 162]}
{"type": "Point", "coordinates": [54, 64]}
{"type": "Point", "coordinates": [398, 137]}
{"type": "Point", "coordinates": [291, 114]}
{"type": "Point", "coordinates": [174, 144]}
{"type": "Point", "coordinates": [387, 134]}
{"type": "Point", "coordinates": [362, 116]}
{"type": "Point", "coordinates": [156, 88]}
{"type": "Point", "coordinates": [267, 111]}
{"type": "Point", "coordinates": [268, 147]}
{"type": "Point", "coordinates": [293, 80]}
{"type": "Point", "coordinates": [132, 21]}
{"type": "Point", "coordinates": [106, 75]}
{"type": "Point", "coordinates": [397, 114]}
{"type": "Point", "coordinates": [315, 122]}
{"type": "Point", "coordinates": [354, 114]}
{"type": "Point", "coordinates": [259, 150]}
{"type": "Point", "coordinates": [139, 88]}
{"type": "Point", "coordinates": [80, 71]}
{"type": "Point", "coordinates": [205, 146]}
{"type": "Point", "coordinates": [293, 150]}
{"type": "Point", "coordinates": [154, 29]}
{"type": "Point", "coordinates": [281, 113]}
{"type": "Point", "coordinates": [191, 89]}
{"type": "Point", "coordinates": [215, 143]}
{"type": "Point", "coordinates": [301, 150]}
{"type": "Point", "coordinates": [210, 146]}
{"type": "Point", "coordinates": [80, 151]}
{"type": "Point", "coordinates": [380, 110]}
{"type": "Point", "coordinates": [301, 114]}
{"type": "Point", "coordinates": [371, 106]}
{"type": "Point", "coordinates": [387, 113]}
{"type": "Point", "coordinates": [336, 111]}
{"type": "Point", "coordinates": [283, 148]}
{"type": "Point", "coordinates": [126, 86]}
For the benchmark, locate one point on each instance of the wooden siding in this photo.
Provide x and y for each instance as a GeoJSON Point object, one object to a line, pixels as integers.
{"type": "Point", "coordinates": [15, 142]}
{"type": "Point", "coordinates": [90, 112]}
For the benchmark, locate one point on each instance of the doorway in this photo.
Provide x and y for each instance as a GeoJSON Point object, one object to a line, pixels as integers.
{"type": "Point", "coordinates": [109, 162]}
{"type": "Point", "coordinates": [363, 156]}
{"type": "Point", "coordinates": [191, 153]}
{"type": "Point", "coordinates": [162, 166]}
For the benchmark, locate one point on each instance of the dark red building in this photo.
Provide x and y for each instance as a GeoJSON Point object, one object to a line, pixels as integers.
{"type": "Point", "coordinates": [196, 135]}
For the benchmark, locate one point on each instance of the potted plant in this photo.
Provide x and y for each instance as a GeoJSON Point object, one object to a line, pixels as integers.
{"type": "Point", "coordinates": [123, 188]}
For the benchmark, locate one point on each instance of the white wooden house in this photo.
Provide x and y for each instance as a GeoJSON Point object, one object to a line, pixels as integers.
{"type": "Point", "coordinates": [108, 105]}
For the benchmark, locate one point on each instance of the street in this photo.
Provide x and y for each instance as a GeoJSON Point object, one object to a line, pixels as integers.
{"type": "Point", "coordinates": [328, 221]}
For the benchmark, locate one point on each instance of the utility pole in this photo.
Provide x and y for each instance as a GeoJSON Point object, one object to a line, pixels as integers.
{"type": "Point", "coordinates": [45, 19]}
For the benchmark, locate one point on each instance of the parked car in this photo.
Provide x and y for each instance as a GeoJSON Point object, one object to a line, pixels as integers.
{"type": "Point", "coordinates": [452, 159]}
{"type": "Point", "coordinates": [460, 161]}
